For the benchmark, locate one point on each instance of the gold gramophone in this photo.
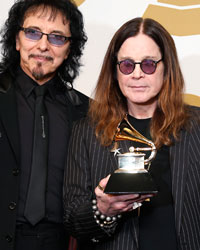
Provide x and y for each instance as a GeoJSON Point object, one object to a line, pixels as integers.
{"type": "Point", "coordinates": [132, 176]}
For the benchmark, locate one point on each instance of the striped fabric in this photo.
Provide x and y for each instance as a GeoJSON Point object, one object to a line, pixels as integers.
{"type": "Point", "coordinates": [185, 165]}
{"type": "Point", "coordinates": [88, 163]}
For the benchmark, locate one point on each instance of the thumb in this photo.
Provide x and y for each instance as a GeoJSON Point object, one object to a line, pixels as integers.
{"type": "Point", "coordinates": [104, 181]}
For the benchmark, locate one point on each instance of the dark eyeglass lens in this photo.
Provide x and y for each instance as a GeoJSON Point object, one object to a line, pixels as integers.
{"type": "Point", "coordinates": [52, 38]}
{"type": "Point", "coordinates": [56, 39]}
{"type": "Point", "coordinates": [33, 34]}
{"type": "Point", "coordinates": [148, 66]}
{"type": "Point", "coordinates": [126, 67]}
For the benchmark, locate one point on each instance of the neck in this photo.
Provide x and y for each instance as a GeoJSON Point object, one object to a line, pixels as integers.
{"type": "Point", "coordinates": [142, 111]}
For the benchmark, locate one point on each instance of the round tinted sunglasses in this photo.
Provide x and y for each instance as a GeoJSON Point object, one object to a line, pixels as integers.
{"type": "Point", "coordinates": [148, 66]}
{"type": "Point", "coordinates": [36, 35]}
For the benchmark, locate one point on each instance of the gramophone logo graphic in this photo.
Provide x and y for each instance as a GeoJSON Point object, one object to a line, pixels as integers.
{"type": "Point", "coordinates": [79, 2]}
{"type": "Point", "coordinates": [182, 19]}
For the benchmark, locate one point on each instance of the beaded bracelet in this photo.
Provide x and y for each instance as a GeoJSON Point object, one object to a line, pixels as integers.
{"type": "Point", "coordinates": [101, 219]}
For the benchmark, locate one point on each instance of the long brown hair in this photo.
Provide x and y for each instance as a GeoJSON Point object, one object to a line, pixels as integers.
{"type": "Point", "coordinates": [109, 105]}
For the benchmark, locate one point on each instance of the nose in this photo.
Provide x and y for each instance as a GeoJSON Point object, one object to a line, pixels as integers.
{"type": "Point", "coordinates": [43, 43]}
{"type": "Point", "coordinates": [137, 72]}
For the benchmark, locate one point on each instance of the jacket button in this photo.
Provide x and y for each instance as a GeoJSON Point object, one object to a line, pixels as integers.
{"type": "Point", "coordinates": [12, 205]}
{"type": "Point", "coordinates": [15, 171]}
{"type": "Point", "coordinates": [9, 238]}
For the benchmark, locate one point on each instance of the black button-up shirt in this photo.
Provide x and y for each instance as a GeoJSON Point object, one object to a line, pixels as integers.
{"type": "Point", "coordinates": [56, 105]}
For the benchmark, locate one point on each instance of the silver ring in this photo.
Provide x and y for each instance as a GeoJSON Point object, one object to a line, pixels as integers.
{"type": "Point", "coordinates": [136, 205]}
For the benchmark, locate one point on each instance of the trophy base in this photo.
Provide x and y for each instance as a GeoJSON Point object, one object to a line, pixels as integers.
{"type": "Point", "coordinates": [130, 183]}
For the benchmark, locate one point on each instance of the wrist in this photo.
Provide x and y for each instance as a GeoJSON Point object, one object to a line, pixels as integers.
{"type": "Point", "coordinates": [103, 220]}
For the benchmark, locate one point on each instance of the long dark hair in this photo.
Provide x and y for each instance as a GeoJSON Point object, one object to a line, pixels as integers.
{"type": "Point", "coordinates": [17, 14]}
{"type": "Point", "coordinates": [109, 105]}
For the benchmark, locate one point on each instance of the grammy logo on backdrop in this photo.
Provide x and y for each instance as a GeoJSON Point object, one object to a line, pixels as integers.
{"type": "Point", "coordinates": [79, 2]}
{"type": "Point", "coordinates": [186, 15]}
{"type": "Point", "coordinates": [183, 13]}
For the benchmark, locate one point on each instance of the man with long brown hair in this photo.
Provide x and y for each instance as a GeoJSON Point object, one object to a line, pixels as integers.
{"type": "Point", "coordinates": [140, 79]}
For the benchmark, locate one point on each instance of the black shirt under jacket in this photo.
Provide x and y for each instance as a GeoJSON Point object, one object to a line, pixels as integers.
{"type": "Point", "coordinates": [156, 220]}
{"type": "Point", "coordinates": [56, 105]}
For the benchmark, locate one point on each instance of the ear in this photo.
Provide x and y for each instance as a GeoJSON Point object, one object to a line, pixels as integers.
{"type": "Point", "coordinates": [17, 42]}
{"type": "Point", "coordinates": [67, 53]}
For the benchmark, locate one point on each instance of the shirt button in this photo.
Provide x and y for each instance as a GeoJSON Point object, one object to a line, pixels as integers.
{"type": "Point", "coordinates": [9, 238]}
{"type": "Point", "coordinates": [15, 171]}
{"type": "Point", "coordinates": [12, 205]}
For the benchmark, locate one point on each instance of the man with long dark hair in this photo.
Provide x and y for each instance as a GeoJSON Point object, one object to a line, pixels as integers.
{"type": "Point", "coordinates": [140, 89]}
{"type": "Point", "coordinates": [42, 42]}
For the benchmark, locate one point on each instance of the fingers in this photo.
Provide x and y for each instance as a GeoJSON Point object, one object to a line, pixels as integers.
{"type": "Point", "coordinates": [111, 205]}
{"type": "Point", "coordinates": [115, 204]}
{"type": "Point", "coordinates": [136, 205]}
{"type": "Point", "coordinates": [100, 187]}
{"type": "Point", "coordinates": [145, 197]}
{"type": "Point", "coordinates": [103, 182]}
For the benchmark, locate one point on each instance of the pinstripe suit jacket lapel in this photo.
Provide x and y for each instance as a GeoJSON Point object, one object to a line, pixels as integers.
{"type": "Point", "coordinates": [179, 161]}
{"type": "Point", "coordinates": [185, 167]}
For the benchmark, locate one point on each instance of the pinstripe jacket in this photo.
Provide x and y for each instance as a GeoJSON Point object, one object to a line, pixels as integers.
{"type": "Point", "coordinates": [88, 163]}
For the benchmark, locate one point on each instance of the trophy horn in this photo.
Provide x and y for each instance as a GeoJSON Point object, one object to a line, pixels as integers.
{"type": "Point", "coordinates": [125, 131]}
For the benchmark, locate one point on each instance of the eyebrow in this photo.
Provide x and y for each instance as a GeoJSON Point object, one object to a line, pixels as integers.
{"type": "Point", "coordinates": [53, 31]}
{"type": "Point", "coordinates": [145, 57]}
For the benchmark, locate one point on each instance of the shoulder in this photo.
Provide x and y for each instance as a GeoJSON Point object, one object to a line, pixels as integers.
{"type": "Point", "coordinates": [84, 129]}
{"type": "Point", "coordinates": [192, 136]}
{"type": "Point", "coordinates": [83, 98]}
{"type": "Point", "coordinates": [194, 109]}
{"type": "Point", "coordinates": [192, 128]}
{"type": "Point", "coordinates": [78, 99]}
{"type": "Point", "coordinates": [77, 103]}
{"type": "Point", "coordinates": [83, 125]}
{"type": "Point", "coordinates": [194, 117]}
{"type": "Point", "coordinates": [6, 81]}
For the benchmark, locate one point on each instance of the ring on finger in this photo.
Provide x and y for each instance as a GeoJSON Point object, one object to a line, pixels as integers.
{"type": "Point", "coordinates": [136, 205]}
{"type": "Point", "coordinates": [100, 187]}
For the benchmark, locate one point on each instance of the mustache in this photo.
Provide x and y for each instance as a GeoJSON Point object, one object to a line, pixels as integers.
{"type": "Point", "coordinates": [49, 58]}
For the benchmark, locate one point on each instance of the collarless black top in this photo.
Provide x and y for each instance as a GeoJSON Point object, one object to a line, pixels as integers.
{"type": "Point", "coordinates": [156, 220]}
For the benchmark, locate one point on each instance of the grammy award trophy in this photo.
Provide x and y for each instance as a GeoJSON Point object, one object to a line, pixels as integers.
{"type": "Point", "coordinates": [131, 175]}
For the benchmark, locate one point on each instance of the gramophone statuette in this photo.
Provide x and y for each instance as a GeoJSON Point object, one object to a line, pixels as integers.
{"type": "Point", "coordinates": [132, 175]}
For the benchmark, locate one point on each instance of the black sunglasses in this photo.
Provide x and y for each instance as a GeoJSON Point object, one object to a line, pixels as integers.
{"type": "Point", "coordinates": [36, 35]}
{"type": "Point", "coordinates": [148, 66]}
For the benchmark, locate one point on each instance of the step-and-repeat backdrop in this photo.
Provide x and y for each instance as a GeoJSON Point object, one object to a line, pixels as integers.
{"type": "Point", "coordinates": [103, 17]}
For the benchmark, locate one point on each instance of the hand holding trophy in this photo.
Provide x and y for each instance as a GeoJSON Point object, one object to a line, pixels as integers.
{"type": "Point", "coordinates": [132, 176]}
